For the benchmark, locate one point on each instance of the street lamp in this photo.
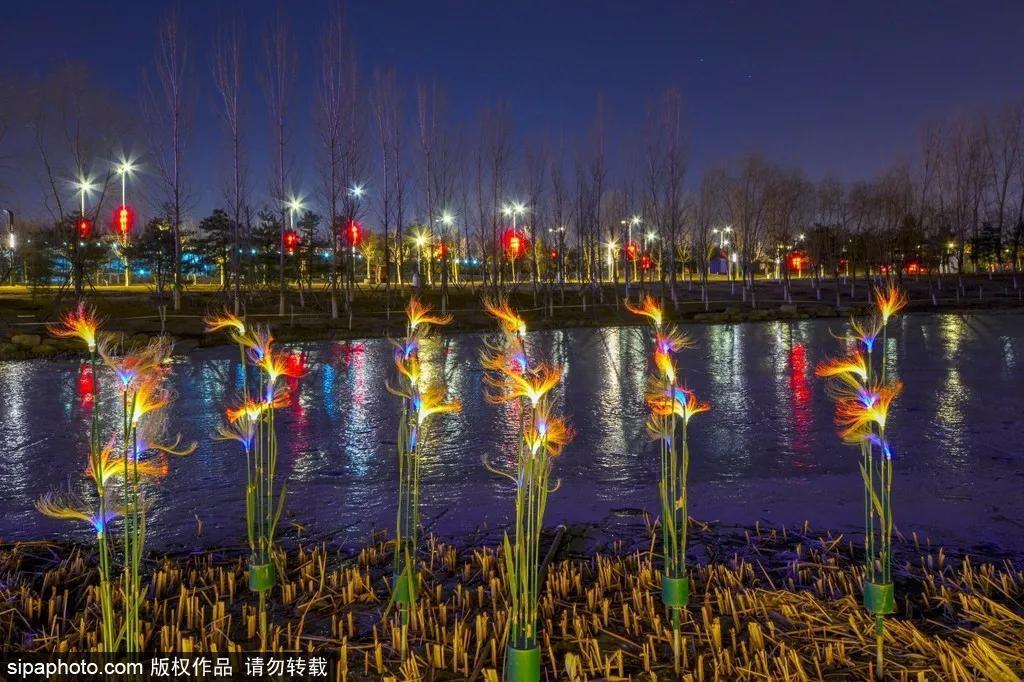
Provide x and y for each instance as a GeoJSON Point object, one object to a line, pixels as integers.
{"type": "Point", "coordinates": [11, 241]}
{"type": "Point", "coordinates": [84, 185]}
{"type": "Point", "coordinates": [124, 169]}
{"type": "Point", "coordinates": [514, 209]}
{"type": "Point", "coordinates": [612, 245]}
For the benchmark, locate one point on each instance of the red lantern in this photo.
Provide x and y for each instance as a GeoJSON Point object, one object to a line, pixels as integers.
{"type": "Point", "coordinates": [796, 261]}
{"type": "Point", "coordinates": [353, 232]}
{"type": "Point", "coordinates": [124, 217]}
{"type": "Point", "coordinates": [440, 250]}
{"type": "Point", "coordinates": [516, 244]}
{"type": "Point", "coordinates": [84, 228]}
{"type": "Point", "coordinates": [645, 262]}
{"type": "Point", "coordinates": [632, 249]}
{"type": "Point", "coordinates": [291, 241]}
{"type": "Point", "coordinates": [553, 254]}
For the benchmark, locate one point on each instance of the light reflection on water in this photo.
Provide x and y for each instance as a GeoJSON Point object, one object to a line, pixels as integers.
{"type": "Point", "coordinates": [771, 420]}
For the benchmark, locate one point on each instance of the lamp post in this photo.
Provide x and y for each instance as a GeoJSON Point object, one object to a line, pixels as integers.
{"type": "Point", "coordinates": [420, 239]}
{"type": "Point", "coordinates": [629, 223]}
{"type": "Point", "coordinates": [446, 219]}
{"type": "Point", "coordinates": [11, 240]}
{"type": "Point", "coordinates": [294, 204]}
{"type": "Point", "coordinates": [124, 169]}
{"type": "Point", "coordinates": [514, 209]}
{"type": "Point", "coordinates": [612, 244]}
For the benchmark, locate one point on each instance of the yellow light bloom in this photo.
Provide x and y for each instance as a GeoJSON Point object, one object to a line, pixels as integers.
{"type": "Point", "coordinates": [276, 365]}
{"type": "Point", "coordinates": [855, 415]}
{"type": "Point", "coordinates": [419, 313]}
{"type": "Point", "coordinates": [532, 385]}
{"type": "Point", "coordinates": [671, 340]}
{"type": "Point", "coordinates": [547, 433]}
{"type": "Point", "coordinates": [80, 323]}
{"type": "Point", "coordinates": [674, 400]}
{"type": "Point", "coordinates": [667, 368]}
{"type": "Point", "coordinates": [432, 401]}
{"type": "Point", "coordinates": [69, 506]}
{"type": "Point", "coordinates": [510, 322]}
{"type": "Point", "coordinates": [103, 465]}
{"type": "Point", "coordinates": [851, 370]}
{"type": "Point", "coordinates": [648, 308]}
{"type": "Point", "coordinates": [409, 367]}
{"type": "Point", "coordinates": [134, 367]}
{"type": "Point", "coordinates": [890, 301]}
{"type": "Point", "coordinates": [225, 320]}
{"type": "Point", "coordinates": [258, 340]}
{"type": "Point", "coordinates": [148, 397]}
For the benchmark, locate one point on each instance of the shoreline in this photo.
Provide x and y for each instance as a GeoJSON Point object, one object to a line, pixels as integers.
{"type": "Point", "coordinates": [22, 340]}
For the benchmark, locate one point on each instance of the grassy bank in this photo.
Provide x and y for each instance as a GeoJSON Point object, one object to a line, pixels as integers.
{"type": "Point", "coordinates": [766, 604]}
{"type": "Point", "coordinates": [136, 311]}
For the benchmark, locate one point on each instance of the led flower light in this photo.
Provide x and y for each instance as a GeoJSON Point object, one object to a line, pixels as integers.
{"type": "Point", "coordinates": [419, 313]}
{"type": "Point", "coordinates": [890, 300]}
{"type": "Point", "coordinates": [852, 370]}
{"type": "Point", "coordinates": [432, 401]}
{"type": "Point", "coordinates": [865, 332]}
{"type": "Point", "coordinates": [80, 323]}
{"type": "Point", "coordinates": [131, 367]}
{"type": "Point", "coordinates": [863, 398]}
{"type": "Point", "coordinates": [69, 506]}
{"type": "Point", "coordinates": [532, 385]}
{"type": "Point", "coordinates": [672, 407]}
{"type": "Point", "coordinates": [148, 397]}
{"type": "Point", "coordinates": [225, 320]}
{"type": "Point", "coordinates": [509, 320]}
{"type": "Point", "coordinates": [859, 418]}
{"type": "Point", "coordinates": [543, 437]}
{"type": "Point", "coordinates": [419, 402]}
{"type": "Point", "coordinates": [547, 434]}
{"type": "Point", "coordinates": [277, 365]}
{"type": "Point", "coordinates": [648, 308]}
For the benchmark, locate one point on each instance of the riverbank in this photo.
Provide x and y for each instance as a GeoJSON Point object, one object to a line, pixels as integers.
{"type": "Point", "coordinates": [135, 314]}
{"type": "Point", "coordinates": [766, 603]}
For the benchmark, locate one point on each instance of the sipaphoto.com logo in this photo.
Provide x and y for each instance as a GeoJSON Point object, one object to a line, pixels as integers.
{"type": "Point", "coordinates": [58, 667]}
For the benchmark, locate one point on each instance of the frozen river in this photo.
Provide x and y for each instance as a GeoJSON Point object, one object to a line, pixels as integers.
{"type": "Point", "coordinates": [767, 451]}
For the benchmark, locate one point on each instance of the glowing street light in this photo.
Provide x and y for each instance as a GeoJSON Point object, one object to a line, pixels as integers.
{"type": "Point", "coordinates": [294, 204]}
{"type": "Point", "coordinates": [612, 245]}
{"type": "Point", "coordinates": [123, 215]}
{"type": "Point", "coordinates": [357, 190]}
{"type": "Point", "coordinates": [84, 185]}
{"type": "Point", "coordinates": [514, 209]}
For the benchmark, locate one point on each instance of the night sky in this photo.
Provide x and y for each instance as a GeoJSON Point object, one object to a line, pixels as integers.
{"type": "Point", "coordinates": [837, 88]}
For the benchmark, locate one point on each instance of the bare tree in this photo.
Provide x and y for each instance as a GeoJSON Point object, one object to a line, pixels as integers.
{"type": "Point", "coordinates": [169, 116]}
{"type": "Point", "coordinates": [277, 84]}
{"type": "Point", "coordinates": [72, 126]}
{"type": "Point", "coordinates": [330, 126]}
{"type": "Point", "coordinates": [666, 172]}
{"type": "Point", "coordinates": [386, 108]}
{"type": "Point", "coordinates": [227, 74]}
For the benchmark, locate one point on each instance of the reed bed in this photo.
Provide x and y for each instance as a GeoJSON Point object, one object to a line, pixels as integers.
{"type": "Point", "coordinates": [767, 604]}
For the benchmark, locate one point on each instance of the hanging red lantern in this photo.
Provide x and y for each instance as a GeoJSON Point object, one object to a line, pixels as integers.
{"type": "Point", "coordinates": [645, 262]}
{"type": "Point", "coordinates": [124, 217]}
{"type": "Point", "coordinates": [291, 241]}
{"type": "Point", "coordinates": [353, 232]}
{"type": "Point", "coordinates": [515, 244]}
{"type": "Point", "coordinates": [440, 250]}
{"type": "Point", "coordinates": [553, 254]}
{"type": "Point", "coordinates": [796, 261]}
{"type": "Point", "coordinates": [632, 249]}
{"type": "Point", "coordinates": [84, 228]}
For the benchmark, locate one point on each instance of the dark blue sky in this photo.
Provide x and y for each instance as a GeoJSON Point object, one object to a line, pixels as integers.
{"type": "Point", "coordinates": [835, 87]}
